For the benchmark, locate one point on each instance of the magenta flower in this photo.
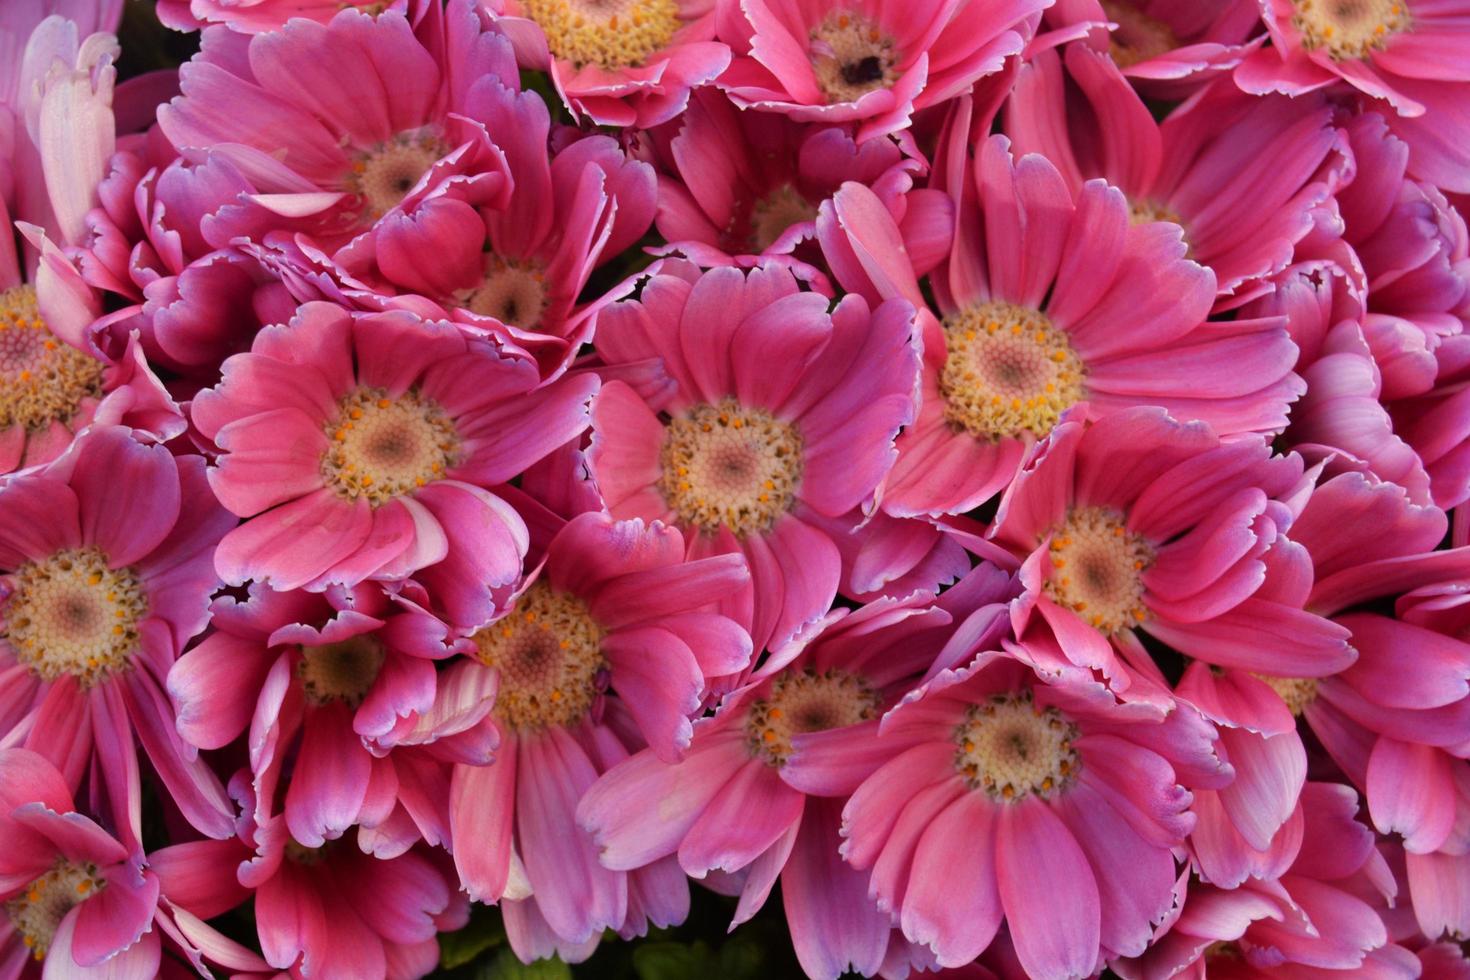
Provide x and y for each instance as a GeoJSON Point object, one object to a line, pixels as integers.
{"type": "Point", "coordinates": [334, 911]}
{"type": "Point", "coordinates": [517, 271]}
{"type": "Point", "coordinates": [1320, 917]}
{"type": "Point", "coordinates": [759, 795]}
{"type": "Point", "coordinates": [1049, 805]}
{"type": "Point", "coordinates": [737, 185]}
{"type": "Point", "coordinates": [1140, 523]}
{"type": "Point", "coordinates": [773, 408]}
{"type": "Point", "coordinates": [632, 65]}
{"type": "Point", "coordinates": [349, 721]}
{"type": "Point", "coordinates": [76, 900]}
{"type": "Point", "coordinates": [316, 121]}
{"type": "Point", "coordinates": [259, 16]}
{"type": "Point", "coordinates": [106, 575]}
{"type": "Point", "coordinates": [1409, 53]}
{"type": "Point", "coordinates": [1101, 315]}
{"type": "Point", "coordinates": [1168, 48]}
{"type": "Point", "coordinates": [615, 609]}
{"type": "Point", "coordinates": [1243, 176]}
{"type": "Point", "coordinates": [874, 62]}
{"type": "Point", "coordinates": [360, 447]}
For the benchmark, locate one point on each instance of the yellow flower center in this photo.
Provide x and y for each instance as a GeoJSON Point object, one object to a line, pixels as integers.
{"type": "Point", "coordinates": [777, 211]}
{"type": "Point", "coordinates": [1138, 36]}
{"type": "Point", "coordinates": [852, 56]}
{"type": "Point", "coordinates": [37, 912]}
{"type": "Point", "coordinates": [1297, 692]}
{"type": "Point", "coordinates": [512, 292]}
{"type": "Point", "coordinates": [805, 701]}
{"type": "Point", "coordinates": [548, 650]}
{"type": "Point", "coordinates": [1008, 372]}
{"type": "Point", "coordinates": [382, 177]}
{"type": "Point", "coordinates": [342, 671]}
{"type": "Point", "coordinates": [42, 380]}
{"type": "Point", "coordinates": [731, 466]}
{"type": "Point", "coordinates": [1011, 747]}
{"type": "Point", "coordinates": [1098, 567]}
{"type": "Point", "coordinates": [605, 33]}
{"type": "Point", "coordinates": [1348, 29]}
{"type": "Point", "coordinates": [72, 614]}
{"type": "Point", "coordinates": [384, 447]}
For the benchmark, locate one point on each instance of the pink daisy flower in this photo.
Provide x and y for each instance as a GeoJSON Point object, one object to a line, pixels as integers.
{"type": "Point", "coordinates": [1142, 524]}
{"type": "Point", "coordinates": [106, 559]}
{"type": "Point", "coordinates": [1048, 805]}
{"type": "Point", "coordinates": [632, 65]}
{"type": "Point", "coordinates": [872, 62]}
{"type": "Point", "coordinates": [317, 122]}
{"type": "Point", "coordinates": [736, 185]}
{"type": "Point", "coordinates": [1101, 315]}
{"type": "Point", "coordinates": [350, 723]}
{"type": "Point", "coordinates": [614, 609]}
{"type": "Point", "coordinates": [360, 446]}
{"type": "Point", "coordinates": [1409, 53]}
{"type": "Point", "coordinates": [1319, 918]}
{"type": "Point", "coordinates": [75, 899]}
{"type": "Point", "coordinates": [774, 408]}
{"type": "Point", "coordinates": [518, 271]}
{"type": "Point", "coordinates": [1167, 47]}
{"type": "Point", "coordinates": [759, 795]}
{"type": "Point", "coordinates": [333, 911]}
{"type": "Point", "coordinates": [1243, 176]}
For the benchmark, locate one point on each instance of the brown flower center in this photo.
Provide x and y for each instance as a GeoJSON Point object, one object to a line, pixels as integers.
{"type": "Point", "coordinates": [548, 650]}
{"type": "Point", "coordinates": [384, 447]}
{"type": "Point", "coordinates": [1349, 29]}
{"type": "Point", "coordinates": [806, 701]}
{"type": "Point", "coordinates": [852, 56]}
{"type": "Point", "coordinates": [1011, 747]}
{"type": "Point", "coordinates": [42, 380]}
{"type": "Point", "coordinates": [1098, 567]}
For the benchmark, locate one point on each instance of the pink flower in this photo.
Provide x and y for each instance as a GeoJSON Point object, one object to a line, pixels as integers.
{"type": "Point", "coordinates": [1243, 176]}
{"type": "Point", "coordinates": [1049, 805]}
{"type": "Point", "coordinates": [635, 73]}
{"type": "Point", "coordinates": [736, 185]}
{"type": "Point", "coordinates": [615, 609]}
{"type": "Point", "coordinates": [759, 795]}
{"type": "Point", "coordinates": [107, 574]}
{"type": "Point", "coordinates": [1168, 48]}
{"type": "Point", "coordinates": [1321, 915]}
{"type": "Point", "coordinates": [1140, 524]}
{"type": "Point", "coordinates": [874, 62]}
{"type": "Point", "coordinates": [1049, 307]}
{"type": "Point", "coordinates": [77, 900]}
{"type": "Point", "coordinates": [349, 721]}
{"type": "Point", "coordinates": [773, 408]}
{"type": "Point", "coordinates": [317, 123]}
{"type": "Point", "coordinates": [517, 271]}
{"type": "Point", "coordinates": [1409, 54]}
{"type": "Point", "coordinates": [334, 911]}
{"type": "Point", "coordinates": [360, 447]}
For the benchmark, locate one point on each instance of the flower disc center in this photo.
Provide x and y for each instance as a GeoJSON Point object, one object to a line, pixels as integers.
{"type": "Point", "coordinates": [1349, 29]}
{"type": "Point", "coordinates": [548, 650]}
{"type": "Point", "coordinates": [605, 33]}
{"type": "Point", "coordinates": [384, 447]}
{"type": "Point", "coordinates": [384, 176]}
{"type": "Point", "coordinates": [72, 614]}
{"type": "Point", "coordinates": [1139, 35]}
{"type": "Point", "coordinates": [512, 292]}
{"type": "Point", "coordinates": [806, 701]}
{"type": "Point", "coordinates": [342, 671]}
{"type": "Point", "coordinates": [1098, 567]}
{"type": "Point", "coordinates": [37, 912]}
{"type": "Point", "coordinates": [852, 56]}
{"type": "Point", "coordinates": [1011, 747]}
{"type": "Point", "coordinates": [42, 380]}
{"type": "Point", "coordinates": [732, 466]}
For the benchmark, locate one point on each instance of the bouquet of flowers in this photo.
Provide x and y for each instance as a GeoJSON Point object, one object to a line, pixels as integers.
{"type": "Point", "coordinates": [481, 480]}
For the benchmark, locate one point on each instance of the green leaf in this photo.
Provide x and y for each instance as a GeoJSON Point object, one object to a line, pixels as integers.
{"type": "Point", "coordinates": [674, 961]}
{"type": "Point", "coordinates": [505, 966]}
{"type": "Point", "coordinates": [484, 931]}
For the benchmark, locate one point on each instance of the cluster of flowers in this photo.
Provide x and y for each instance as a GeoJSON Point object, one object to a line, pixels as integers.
{"type": "Point", "coordinates": [1013, 510]}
